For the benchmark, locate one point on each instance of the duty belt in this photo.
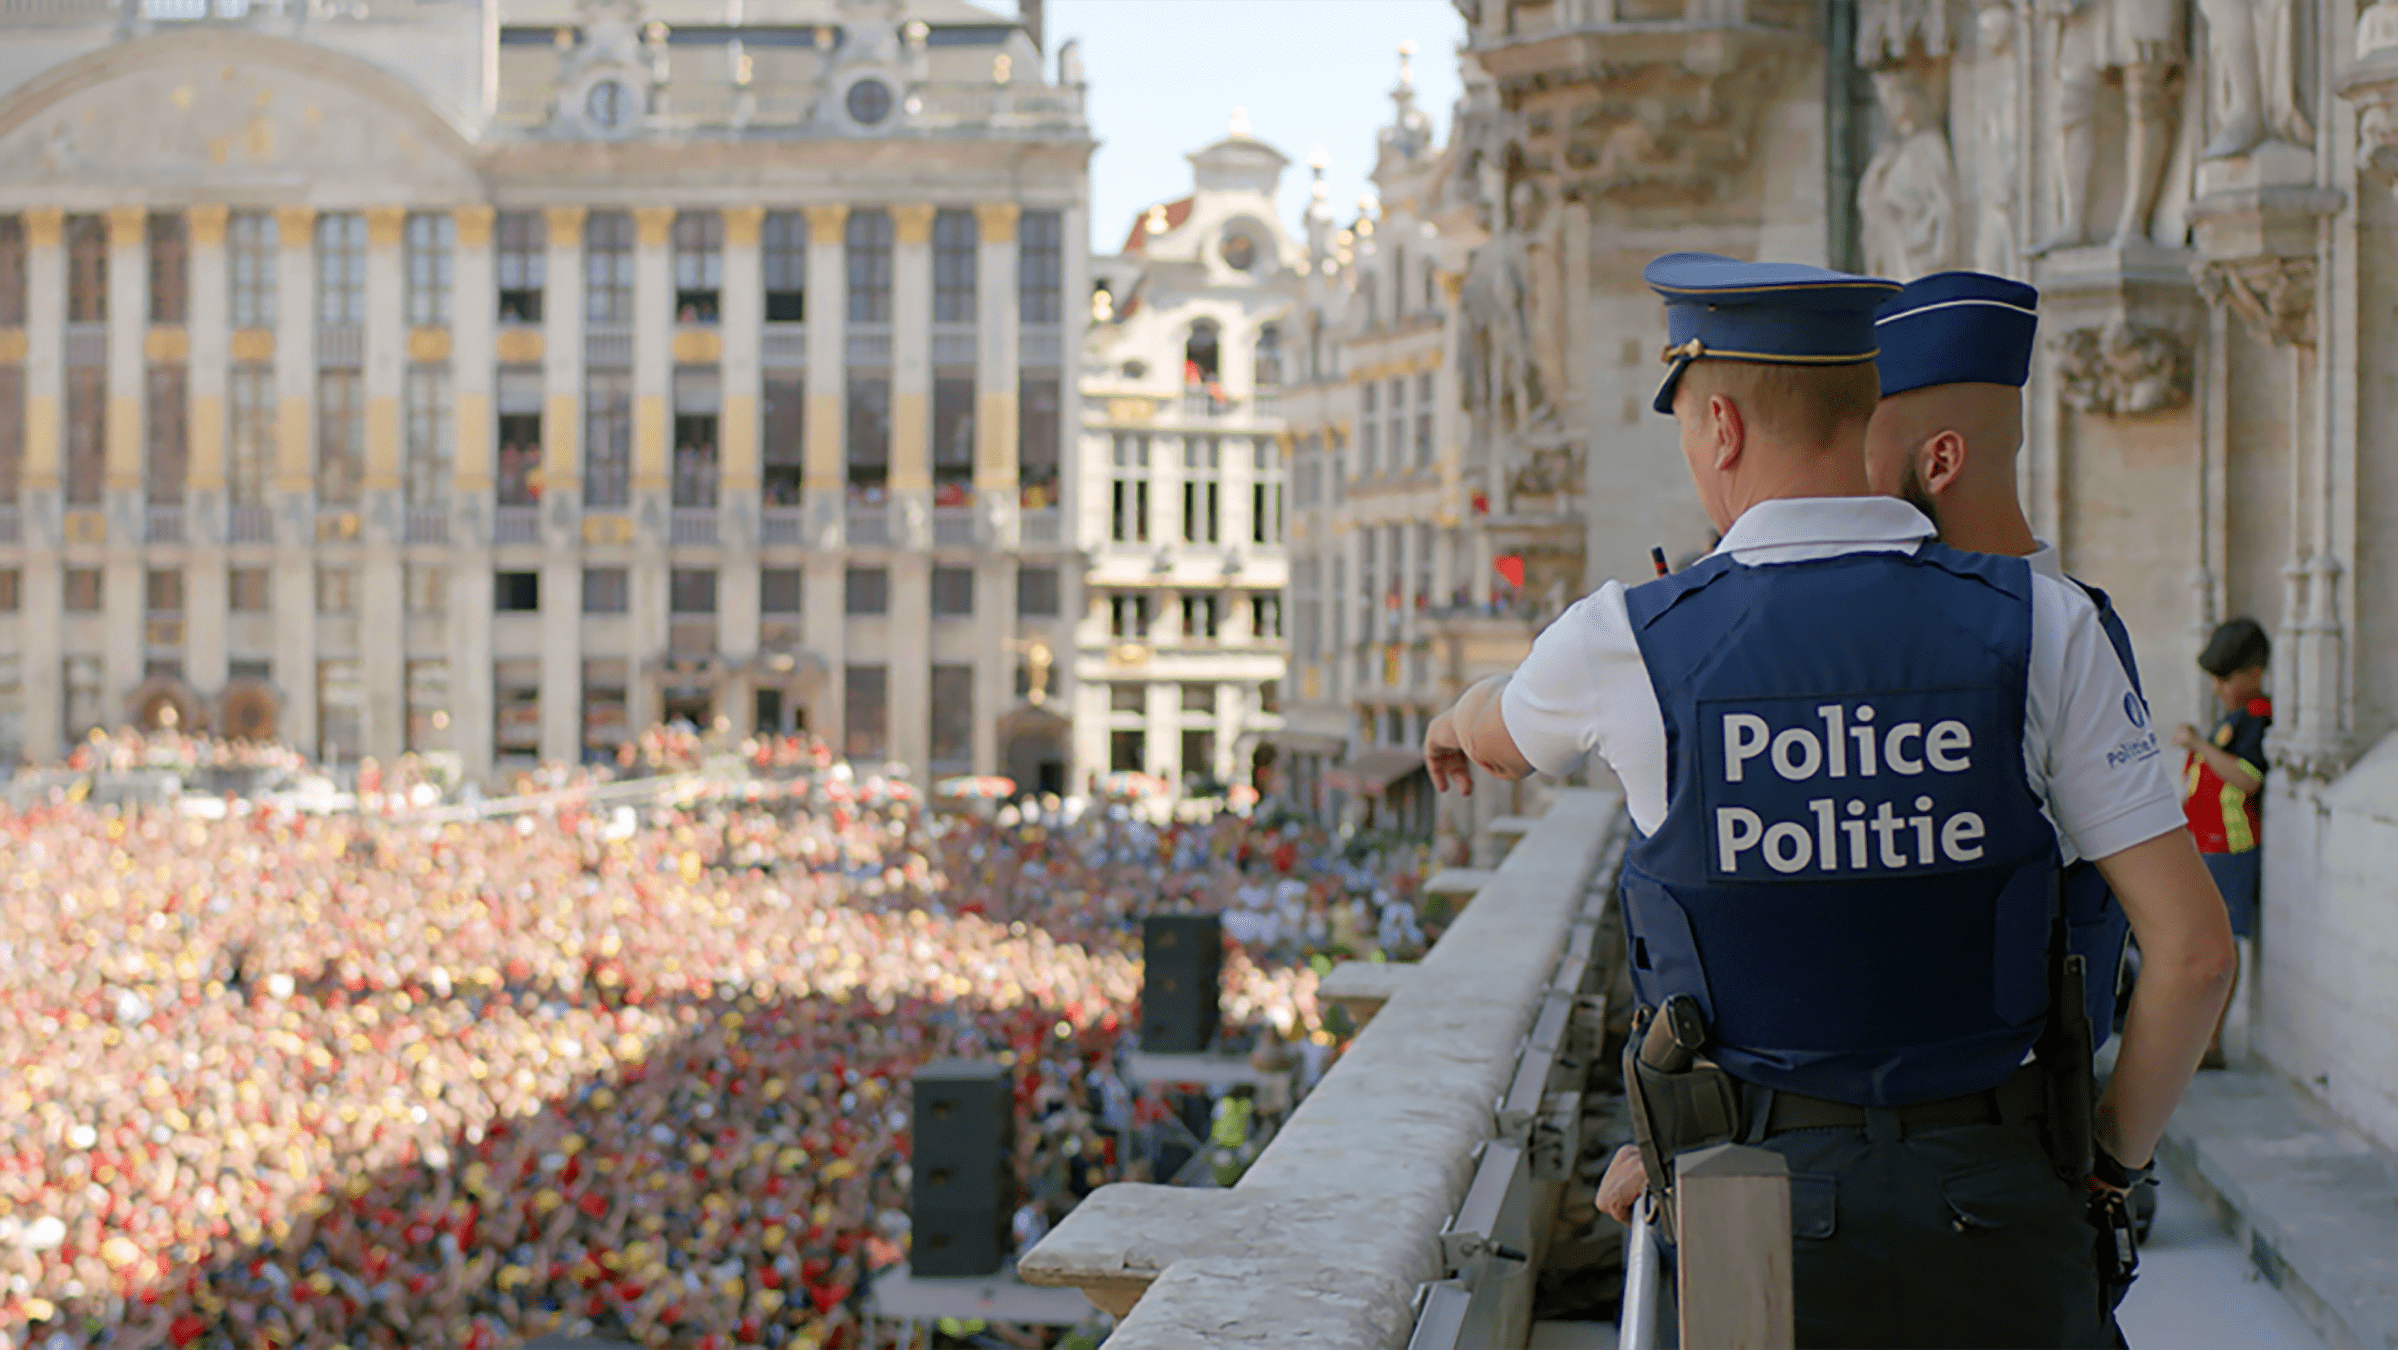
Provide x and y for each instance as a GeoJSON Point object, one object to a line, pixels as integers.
{"type": "Point", "coordinates": [2021, 1098]}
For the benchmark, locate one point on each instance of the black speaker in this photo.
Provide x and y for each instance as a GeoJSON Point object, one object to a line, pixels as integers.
{"type": "Point", "coordinates": [962, 1177]}
{"type": "Point", "coordinates": [1182, 964]}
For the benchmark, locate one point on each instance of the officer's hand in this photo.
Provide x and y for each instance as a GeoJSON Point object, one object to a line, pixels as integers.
{"type": "Point", "coordinates": [2186, 737]}
{"type": "Point", "coordinates": [1444, 759]}
{"type": "Point", "coordinates": [1620, 1189]}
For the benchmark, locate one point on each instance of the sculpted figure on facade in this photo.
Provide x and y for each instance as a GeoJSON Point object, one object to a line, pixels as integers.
{"type": "Point", "coordinates": [2253, 49]}
{"type": "Point", "coordinates": [2122, 369]}
{"type": "Point", "coordinates": [1504, 384]}
{"type": "Point", "coordinates": [1908, 196]}
{"type": "Point", "coordinates": [1998, 140]}
{"type": "Point", "coordinates": [2142, 43]}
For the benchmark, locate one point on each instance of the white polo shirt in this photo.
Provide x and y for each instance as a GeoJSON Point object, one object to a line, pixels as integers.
{"type": "Point", "coordinates": [2089, 752]}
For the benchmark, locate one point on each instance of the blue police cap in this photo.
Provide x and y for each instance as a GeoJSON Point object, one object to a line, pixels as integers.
{"type": "Point", "coordinates": [1783, 314]}
{"type": "Point", "coordinates": [1957, 328]}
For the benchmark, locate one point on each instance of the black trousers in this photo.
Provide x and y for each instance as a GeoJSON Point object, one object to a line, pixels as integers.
{"type": "Point", "coordinates": [1951, 1237]}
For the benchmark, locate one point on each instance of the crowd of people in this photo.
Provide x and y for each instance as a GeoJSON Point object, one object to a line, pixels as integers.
{"type": "Point", "coordinates": [283, 1079]}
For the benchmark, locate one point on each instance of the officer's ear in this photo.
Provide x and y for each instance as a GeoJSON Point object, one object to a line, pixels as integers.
{"type": "Point", "coordinates": [1727, 431]}
{"type": "Point", "coordinates": [1940, 461]}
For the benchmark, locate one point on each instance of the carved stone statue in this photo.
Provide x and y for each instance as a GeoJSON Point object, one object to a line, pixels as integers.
{"type": "Point", "coordinates": [2123, 369]}
{"type": "Point", "coordinates": [2142, 42]}
{"type": "Point", "coordinates": [2254, 44]}
{"type": "Point", "coordinates": [1998, 134]}
{"type": "Point", "coordinates": [1908, 196]}
{"type": "Point", "coordinates": [1498, 305]}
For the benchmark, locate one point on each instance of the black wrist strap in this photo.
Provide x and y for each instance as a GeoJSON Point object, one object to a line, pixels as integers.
{"type": "Point", "coordinates": [2108, 1169]}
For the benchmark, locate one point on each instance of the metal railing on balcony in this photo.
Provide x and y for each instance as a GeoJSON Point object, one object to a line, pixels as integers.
{"type": "Point", "coordinates": [162, 523]}
{"type": "Point", "coordinates": [783, 346]}
{"type": "Point", "coordinates": [428, 525]}
{"type": "Point", "coordinates": [516, 525]}
{"type": "Point", "coordinates": [954, 344]}
{"type": "Point", "coordinates": [340, 346]}
{"type": "Point", "coordinates": [692, 527]}
{"type": "Point", "coordinates": [781, 529]}
{"type": "Point", "coordinates": [1042, 527]}
{"type": "Point", "coordinates": [250, 525]}
{"type": "Point", "coordinates": [953, 527]}
{"type": "Point", "coordinates": [868, 526]}
{"type": "Point", "coordinates": [85, 344]}
{"type": "Point", "coordinates": [1201, 403]}
{"type": "Point", "coordinates": [869, 345]}
{"type": "Point", "coordinates": [1335, 1231]}
{"type": "Point", "coordinates": [608, 346]}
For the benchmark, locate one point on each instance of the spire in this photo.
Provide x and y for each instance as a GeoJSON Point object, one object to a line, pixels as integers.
{"type": "Point", "coordinates": [1410, 131]}
{"type": "Point", "coordinates": [1240, 124]}
{"type": "Point", "coordinates": [1319, 209]}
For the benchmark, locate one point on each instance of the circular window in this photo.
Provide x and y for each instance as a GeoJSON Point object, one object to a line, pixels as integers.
{"type": "Point", "coordinates": [1240, 252]}
{"type": "Point", "coordinates": [869, 102]}
{"type": "Point", "coordinates": [609, 105]}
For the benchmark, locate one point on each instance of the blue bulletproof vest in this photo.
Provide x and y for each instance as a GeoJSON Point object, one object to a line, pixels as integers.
{"type": "Point", "coordinates": [1853, 876]}
{"type": "Point", "coordinates": [2095, 926]}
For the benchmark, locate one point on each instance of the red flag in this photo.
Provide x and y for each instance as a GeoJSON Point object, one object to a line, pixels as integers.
{"type": "Point", "coordinates": [1511, 567]}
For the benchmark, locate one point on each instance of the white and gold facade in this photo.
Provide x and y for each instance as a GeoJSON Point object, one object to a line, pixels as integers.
{"type": "Point", "coordinates": [498, 381]}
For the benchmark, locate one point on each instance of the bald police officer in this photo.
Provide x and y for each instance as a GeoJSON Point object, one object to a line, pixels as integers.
{"type": "Point", "coordinates": [1850, 753]}
{"type": "Point", "coordinates": [1956, 349]}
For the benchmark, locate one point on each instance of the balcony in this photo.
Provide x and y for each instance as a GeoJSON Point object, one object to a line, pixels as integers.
{"type": "Point", "coordinates": [1337, 1235]}
{"type": "Point", "coordinates": [783, 346]}
{"type": "Point", "coordinates": [608, 346]}
{"type": "Point", "coordinates": [250, 525]}
{"type": "Point", "coordinates": [428, 525]}
{"type": "Point", "coordinates": [953, 527]}
{"type": "Point", "coordinates": [516, 525]}
{"type": "Point", "coordinates": [162, 523]}
{"type": "Point", "coordinates": [1046, 528]}
{"type": "Point", "coordinates": [12, 525]}
{"type": "Point", "coordinates": [1039, 346]}
{"type": "Point", "coordinates": [1207, 406]}
{"type": "Point", "coordinates": [869, 345]}
{"type": "Point", "coordinates": [340, 346]}
{"type": "Point", "coordinates": [692, 527]}
{"type": "Point", "coordinates": [781, 529]}
{"type": "Point", "coordinates": [954, 344]}
{"type": "Point", "coordinates": [867, 526]}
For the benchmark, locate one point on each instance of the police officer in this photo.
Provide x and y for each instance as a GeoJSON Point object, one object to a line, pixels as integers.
{"type": "Point", "coordinates": [1849, 753]}
{"type": "Point", "coordinates": [1956, 348]}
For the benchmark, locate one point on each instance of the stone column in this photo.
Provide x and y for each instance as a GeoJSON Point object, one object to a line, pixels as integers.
{"type": "Point", "coordinates": [562, 490]}
{"type": "Point", "coordinates": [653, 482]}
{"type": "Point", "coordinates": [824, 478]}
{"type": "Point", "coordinates": [295, 474]}
{"type": "Point", "coordinates": [473, 316]}
{"type": "Point", "coordinates": [1074, 313]}
{"type": "Point", "coordinates": [123, 599]}
{"type": "Point", "coordinates": [40, 482]}
{"type": "Point", "coordinates": [996, 457]}
{"type": "Point", "coordinates": [741, 314]}
{"type": "Point", "coordinates": [910, 651]}
{"type": "Point", "coordinates": [204, 600]}
{"type": "Point", "coordinates": [383, 623]}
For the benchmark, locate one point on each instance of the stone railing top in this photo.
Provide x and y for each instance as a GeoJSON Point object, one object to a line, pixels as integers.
{"type": "Point", "coordinates": [1365, 981]}
{"type": "Point", "coordinates": [1512, 827]}
{"type": "Point", "coordinates": [1326, 1240]}
{"type": "Point", "coordinates": [1460, 881]}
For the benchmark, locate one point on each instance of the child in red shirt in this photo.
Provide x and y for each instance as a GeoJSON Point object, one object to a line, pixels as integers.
{"type": "Point", "coordinates": [2224, 778]}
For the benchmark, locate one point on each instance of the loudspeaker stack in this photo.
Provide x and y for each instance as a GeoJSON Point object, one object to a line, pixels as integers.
{"type": "Point", "coordinates": [1182, 963]}
{"type": "Point", "coordinates": [962, 1197]}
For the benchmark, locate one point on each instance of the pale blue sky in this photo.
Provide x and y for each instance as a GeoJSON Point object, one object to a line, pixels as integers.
{"type": "Point", "coordinates": [1165, 76]}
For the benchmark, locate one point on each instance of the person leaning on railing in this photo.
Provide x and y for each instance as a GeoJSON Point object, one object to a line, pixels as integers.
{"type": "Point", "coordinates": [1843, 746]}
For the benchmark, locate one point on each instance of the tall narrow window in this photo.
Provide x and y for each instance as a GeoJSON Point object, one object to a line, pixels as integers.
{"type": "Point", "coordinates": [432, 238]}
{"type": "Point", "coordinates": [1128, 513]}
{"type": "Point", "coordinates": [869, 436]}
{"type": "Point", "coordinates": [1423, 420]}
{"type": "Point", "coordinates": [426, 474]}
{"type": "Point", "coordinates": [340, 437]}
{"type": "Point", "coordinates": [164, 453]}
{"type": "Point", "coordinates": [162, 591]}
{"type": "Point", "coordinates": [86, 434]}
{"type": "Point", "coordinates": [1040, 267]}
{"type": "Point", "coordinates": [1396, 447]}
{"type": "Point", "coordinates": [953, 267]}
{"type": "Point", "coordinates": [697, 400]}
{"type": "Point", "coordinates": [953, 438]}
{"type": "Point", "coordinates": [12, 433]}
{"type": "Point", "coordinates": [340, 269]}
{"type": "Point", "coordinates": [1199, 354]}
{"type": "Point", "coordinates": [953, 592]}
{"type": "Point", "coordinates": [1269, 356]}
{"type": "Point", "coordinates": [519, 391]}
{"type": "Point", "coordinates": [698, 265]}
{"type": "Point", "coordinates": [12, 271]}
{"type": "Point", "coordinates": [1265, 491]}
{"type": "Point", "coordinates": [1202, 492]}
{"type": "Point", "coordinates": [952, 730]}
{"type": "Point", "coordinates": [1199, 615]}
{"type": "Point", "coordinates": [865, 708]}
{"type": "Point", "coordinates": [1039, 427]}
{"type": "Point", "coordinates": [783, 258]}
{"type": "Point", "coordinates": [868, 249]}
{"type": "Point", "coordinates": [1128, 615]}
{"type": "Point", "coordinates": [87, 269]}
{"type": "Point", "coordinates": [250, 243]}
{"type": "Point", "coordinates": [608, 267]}
{"type": "Point", "coordinates": [1369, 429]}
{"type": "Point", "coordinates": [520, 264]}
{"type": "Point", "coordinates": [607, 439]}
{"type": "Point", "coordinates": [170, 268]}
{"type": "Point", "coordinates": [784, 430]}
{"type": "Point", "coordinates": [691, 590]}
{"type": "Point", "coordinates": [249, 433]}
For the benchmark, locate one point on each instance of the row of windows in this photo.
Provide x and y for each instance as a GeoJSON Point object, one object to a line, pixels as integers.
{"type": "Point", "coordinates": [1130, 614]}
{"type": "Point", "coordinates": [521, 267]}
{"type": "Point", "coordinates": [429, 429]}
{"type": "Point", "coordinates": [1202, 492]}
{"type": "Point", "coordinates": [1128, 696]}
{"type": "Point", "coordinates": [606, 590]}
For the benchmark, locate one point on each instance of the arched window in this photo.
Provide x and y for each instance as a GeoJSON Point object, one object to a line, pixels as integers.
{"type": "Point", "coordinates": [1269, 356]}
{"type": "Point", "coordinates": [1199, 353]}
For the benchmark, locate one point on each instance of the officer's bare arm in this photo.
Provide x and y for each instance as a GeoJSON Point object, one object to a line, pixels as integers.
{"type": "Point", "coordinates": [1473, 733]}
{"type": "Point", "coordinates": [2186, 964]}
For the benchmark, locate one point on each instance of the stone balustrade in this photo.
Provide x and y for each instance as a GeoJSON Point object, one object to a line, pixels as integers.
{"type": "Point", "coordinates": [1329, 1237]}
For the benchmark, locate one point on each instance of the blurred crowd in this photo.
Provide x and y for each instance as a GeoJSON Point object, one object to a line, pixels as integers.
{"type": "Point", "coordinates": [282, 1079]}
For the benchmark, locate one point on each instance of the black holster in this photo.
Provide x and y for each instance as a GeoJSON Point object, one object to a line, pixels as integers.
{"type": "Point", "coordinates": [1674, 1112]}
{"type": "Point", "coordinates": [2064, 1051]}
